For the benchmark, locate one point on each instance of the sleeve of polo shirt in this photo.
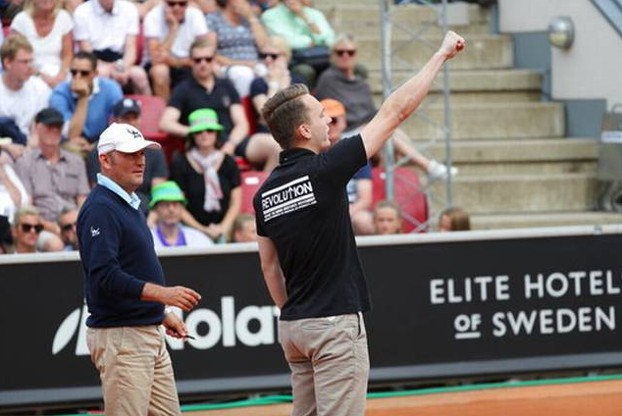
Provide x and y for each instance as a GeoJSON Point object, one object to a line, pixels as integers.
{"type": "Point", "coordinates": [101, 243]}
{"type": "Point", "coordinates": [344, 159]}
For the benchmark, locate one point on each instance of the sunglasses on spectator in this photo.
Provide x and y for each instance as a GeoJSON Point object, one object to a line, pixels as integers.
{"type": "Point", "coordinates": [26, 228]}
{"type": "Point", "coordinates": [82, 72]}
{"type": "Point", "coordinates": [68, 227]}
{"type": "Point", "coordinates": [343, 52]}
{"type": "Point", "coordinates": [177, 3]}
{"type": "Point", "coordinates": [200, 59]}
{"type": "Point", "coordinates": [272, 56]}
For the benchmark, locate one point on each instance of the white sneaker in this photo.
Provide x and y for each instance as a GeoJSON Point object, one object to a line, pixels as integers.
{"type": "Point", "coordinates": [437, 170]}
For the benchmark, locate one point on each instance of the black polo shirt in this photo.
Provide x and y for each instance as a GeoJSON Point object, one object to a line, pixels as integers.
{"type": "Point", "coordinates": [303, 208]}
{"type": "Point", "coordinates": [189, 95]}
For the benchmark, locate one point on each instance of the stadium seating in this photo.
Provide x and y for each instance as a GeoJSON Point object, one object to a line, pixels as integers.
{"type": "Point", "coordinates": [251, 181]}
{"type": "Point", "coordinates": [249, 111]}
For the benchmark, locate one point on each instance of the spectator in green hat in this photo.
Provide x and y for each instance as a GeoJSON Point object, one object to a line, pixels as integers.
{"type": "Point", "coordinates": [168, 201]}
{"type": "Point", "coordinates": [209, 177]}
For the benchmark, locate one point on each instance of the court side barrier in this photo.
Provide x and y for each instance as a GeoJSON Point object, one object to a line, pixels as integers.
{"type": "Point", "coordinates": [446, 306]}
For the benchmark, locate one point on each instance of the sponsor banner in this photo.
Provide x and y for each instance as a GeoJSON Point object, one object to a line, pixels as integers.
{"type": "Point", "coordinates": [442, 307]}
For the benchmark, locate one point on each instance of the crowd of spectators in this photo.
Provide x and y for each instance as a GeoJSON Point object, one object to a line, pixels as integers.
{"type": "Point", "coordinates": [70, 68]}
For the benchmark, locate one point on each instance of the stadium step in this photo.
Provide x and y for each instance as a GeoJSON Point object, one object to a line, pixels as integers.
{"type": "Point", "coordinates": [522, 193]}
{"type": "Point", "coordinates": [497, 121]}
{"type": "Point", "coordinates": [520, 156]}
{"type": "Point", "coordinates": [473, 86]}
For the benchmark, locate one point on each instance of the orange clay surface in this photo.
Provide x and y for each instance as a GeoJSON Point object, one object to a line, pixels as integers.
{"type": "Point", "coordinates": [598, 398]}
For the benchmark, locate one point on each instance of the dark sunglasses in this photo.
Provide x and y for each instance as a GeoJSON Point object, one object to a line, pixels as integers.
{"type": "Point", "coordinates": [200, 59]}
{"type": "Point", "coordinates": [26, 228]}
{"type": "Point", "coordinates": [82, 72]}
{"type": "Point", "coordinates": [342, 52]}
{"type": "Point", "coordinates": [177, 3]}
{"type": "Point", "coordinates": [68, 227]}
{"type": "Point", "coordinates": [273, 56]}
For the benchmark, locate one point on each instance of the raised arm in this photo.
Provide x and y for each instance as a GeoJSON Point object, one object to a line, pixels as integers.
{"type": "Point", "coordinates": [407, 98]}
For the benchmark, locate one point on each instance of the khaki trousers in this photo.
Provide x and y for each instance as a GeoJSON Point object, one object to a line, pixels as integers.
{"type": "Point", "coordinates": [329, 361]}
{"type": "Point", "coordinates": [135, 371]}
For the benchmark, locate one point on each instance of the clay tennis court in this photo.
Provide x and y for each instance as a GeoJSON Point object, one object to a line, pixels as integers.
{"type": "Point", "coordinates": [572, 397]}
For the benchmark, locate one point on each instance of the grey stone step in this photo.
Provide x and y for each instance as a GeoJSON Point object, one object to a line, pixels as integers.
{"type": "Point", "coordinates": [481, 52]}
{"type": "Point", "coordinates": [527, 156]}
{"type": "Point", "coordinates": [366, 20]}
{"type": "Point", "coordinates": [472, 86]}
{"type": "Point", "coordinates": [368, 13]}
{"type": "Point", "coordinates": [482, 80]}
{"type": "Point", "coordinates": [488, 121]}
{"type": "Point", "coordinates": [487, 194]}
{"type": "Point", "coordinates": [372, 26]}
{"type": "Point", "coordinates": [543, 219]}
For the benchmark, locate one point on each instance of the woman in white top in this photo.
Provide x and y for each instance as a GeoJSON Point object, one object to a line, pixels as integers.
{"type": "Point", "coordinates": [13, 195]}
{"type": "Point", "coordinates": [48, 28]}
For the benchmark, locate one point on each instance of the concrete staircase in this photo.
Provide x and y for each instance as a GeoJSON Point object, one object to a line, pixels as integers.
{"type": "Point", "coordinates": [517, 168]}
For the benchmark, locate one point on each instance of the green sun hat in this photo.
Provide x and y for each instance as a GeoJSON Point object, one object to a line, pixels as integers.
{"type": "Point", "coordinates": [203, 119]}
{"type": "Point", "coordinates": [167, 191]}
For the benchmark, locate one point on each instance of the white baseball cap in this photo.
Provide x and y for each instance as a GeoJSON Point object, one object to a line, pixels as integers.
{"type": "Point", "coordinates": [123, 138]}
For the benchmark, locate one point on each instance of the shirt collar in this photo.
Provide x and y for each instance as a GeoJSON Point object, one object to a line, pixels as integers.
{"type": "Point", "coordinates": [291, 155]}
{"type": "Point", "coordinates": [39, 154]}
{"type": "Point", "coordinates": [100, 10]}
{"type": "Point", "coordinates": [132, 199]}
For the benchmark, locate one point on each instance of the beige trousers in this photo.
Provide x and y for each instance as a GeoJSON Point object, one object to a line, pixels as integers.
{"type": "Point", "coordinates": [329, 361]}
{"type": "Point", "coordinates": [135, 371]}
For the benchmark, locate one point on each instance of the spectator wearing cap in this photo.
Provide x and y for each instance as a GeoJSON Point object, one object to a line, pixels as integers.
{"type": "Point", "coordinates": [86, 102]}
{"type": "Point", "coordinates": [168, 201]}
{"type": "Point", "coordinates": [52, 176]}
{"type": "Point", "coordinates": [359, 188]}
{"type": "Point", "coordinates": [128, 111]}
{"type": "Point", "coordinates": [125, 286]}
{"type": "Point", "coordinates": [209, 177]}
{"type": "Point", "coordinates": [21, 94]}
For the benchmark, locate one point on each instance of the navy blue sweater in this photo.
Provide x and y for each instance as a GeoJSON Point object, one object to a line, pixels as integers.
{"type": "Point", "coordinates": [118, 258]}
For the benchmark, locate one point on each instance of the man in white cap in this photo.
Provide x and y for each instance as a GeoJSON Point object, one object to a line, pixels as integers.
{"type": "Point", "coordinates": [125, 286]}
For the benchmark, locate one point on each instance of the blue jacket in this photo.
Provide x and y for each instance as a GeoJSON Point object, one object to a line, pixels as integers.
{"type": "Point", "coordinates": [118, 258]}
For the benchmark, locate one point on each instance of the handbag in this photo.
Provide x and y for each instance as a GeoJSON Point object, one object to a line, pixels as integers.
{"type": "Point", "coordinates": [316, 56]}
